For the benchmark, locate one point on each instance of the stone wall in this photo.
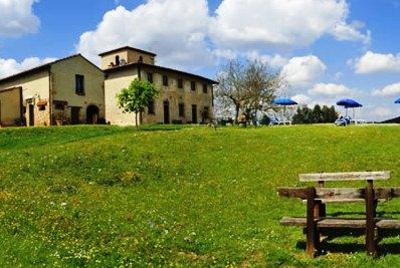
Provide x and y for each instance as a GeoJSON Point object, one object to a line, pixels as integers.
{"type": "Point", "coordinates": [64, 89]}
{"type": "Point", "coordinates": [10, 106]}
{"type": "Point", "coordinates": [35, 88]}
{"type": "Point", "coordinates": [170, 94]}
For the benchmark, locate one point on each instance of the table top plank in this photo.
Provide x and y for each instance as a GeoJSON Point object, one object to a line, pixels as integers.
{"type": "Point", "coordinates": [341, 223]}
{"type": "Point", "coordinates": [345, 176]}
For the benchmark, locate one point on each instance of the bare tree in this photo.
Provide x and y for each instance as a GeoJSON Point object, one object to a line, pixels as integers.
{"type": "Point", "coordinates": [246, 88]}
{"type": "Point", "coordinates": [230, 91]}
{"type": "Point", "coordinates": [262, 85]}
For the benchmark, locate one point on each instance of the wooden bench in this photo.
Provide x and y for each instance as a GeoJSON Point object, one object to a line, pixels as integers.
{"type": "Point", "coordinates": [317, 222]}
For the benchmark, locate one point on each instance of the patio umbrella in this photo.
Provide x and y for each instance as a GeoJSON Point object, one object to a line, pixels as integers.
{"type": "Point", "coordinates": [349, 103]}
{"type": "Point", "coordinates": [284, 101]}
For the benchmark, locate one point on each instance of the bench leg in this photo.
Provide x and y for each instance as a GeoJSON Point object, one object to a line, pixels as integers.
{"type": "Point", "coordinates": [370, 239]}
{"type": "Point", "coordinates": [322, 210]}
{"type": "Point", "coordinates": [312, 231]}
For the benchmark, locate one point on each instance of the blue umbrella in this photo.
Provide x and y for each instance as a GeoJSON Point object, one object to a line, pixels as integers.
{"type": "Point", "coordinates": [397, 101]}
{"type": "Point", "coordinates": [349, 103]}
{"type": "Point", "coordinates": [284, 101]}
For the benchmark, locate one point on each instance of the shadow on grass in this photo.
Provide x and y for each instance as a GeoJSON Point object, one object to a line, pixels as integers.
{"type": "Point", "coordinates": [379, 214]}
{"type": "Point", "coordinates": [161, 127]}
{"type": "Point", "coordinates": [349, 247]}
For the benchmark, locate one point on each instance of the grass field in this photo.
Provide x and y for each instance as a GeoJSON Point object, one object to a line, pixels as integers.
{"type": "Point", "coordinates": [187, 196]}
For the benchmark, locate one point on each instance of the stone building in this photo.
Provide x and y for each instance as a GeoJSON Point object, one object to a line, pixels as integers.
{"type": "Point", "coordinates": [69, 90]}
{"type": "Point", "coordinates": [74, 91]}
{"type": "Point", "coordinates": [184, 97]}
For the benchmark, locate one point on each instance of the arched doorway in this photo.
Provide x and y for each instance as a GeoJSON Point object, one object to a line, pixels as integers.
{"type": "Point", "coordinates": [167, 119]}
{"type": "Point", "coordinates": [92, 114]}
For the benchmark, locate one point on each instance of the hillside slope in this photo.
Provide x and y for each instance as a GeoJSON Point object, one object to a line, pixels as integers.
{"type": "Point", "coordinates": [108, 196]}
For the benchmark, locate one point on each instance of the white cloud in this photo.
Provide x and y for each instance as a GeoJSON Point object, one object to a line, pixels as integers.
{"type": "Point", "coordinates": [372, 62]}
{"type": "Point", "coordinates": [11, 66]}
{"type": "Point", "coordinates": [303, 71]}
{"type": "Point", "coordinates": [239, 23]}
{"type": "Point", "coordinates": [329, 89]}
{"type": "Point", "coordinates": [351, 32]}
{"type": "Point", "coordinates": [225, 54]}
{"type": "Point", "coordinates": [185, 34]}
{"type": "Point", "coordinates": [277, 61]}
{"type": "Point", "coordinates": [302, 99]}
{"type": "Point", "coordinates": [174, 29]}
{"type": "Point", "coordinates": [17, 18]}
{"type": "Point", "coordinates": [389, 90]}
{"type": "Point", "coordinates": [382, 112]}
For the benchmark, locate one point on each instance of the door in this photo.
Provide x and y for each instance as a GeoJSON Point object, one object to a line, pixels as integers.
{"type": "Point", "coordinates": [92, 114]}
{"type": "Point", "coordinates": [75, 111]}
{"type": "Point", "coordinates": [166, 113]}
{"type": "Point", "coordinates": [194, 114]}
{"type": "Point", "coordinates": [31, 115]}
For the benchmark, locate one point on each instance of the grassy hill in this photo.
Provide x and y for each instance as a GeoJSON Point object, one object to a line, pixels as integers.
{"type": "Point", "coordinates": [109, 196]}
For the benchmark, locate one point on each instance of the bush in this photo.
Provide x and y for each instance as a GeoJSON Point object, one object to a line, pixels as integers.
{"type": "Point", "coordinates": [177, 122]}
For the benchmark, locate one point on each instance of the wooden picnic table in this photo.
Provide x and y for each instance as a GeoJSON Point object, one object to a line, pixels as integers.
{"type": "Point", "coordinates": [316, 198]}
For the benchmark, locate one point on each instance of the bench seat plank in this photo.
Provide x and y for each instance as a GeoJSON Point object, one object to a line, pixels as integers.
{"type": "Point", "coordinates": [345, 176]}
{"type": "Point", "coordinates": [344, 200]}
{"type": "Point", "coordinates": [339, 194]}
{"type": "Point", "coordinates": [341, 223]}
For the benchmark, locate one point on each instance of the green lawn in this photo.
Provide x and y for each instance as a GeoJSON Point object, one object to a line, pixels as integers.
{"type": "Point", "coordinates": [179, 196]}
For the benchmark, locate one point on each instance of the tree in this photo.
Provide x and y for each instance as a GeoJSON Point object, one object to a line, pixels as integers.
{"type": "Point", "coordinates": [136, 97]}
{"type": "Point", "coordinates": [261, 85]}
{"type": "Point", "coordinates": [317, 114]}
{"type": "Point", "coordinates": [246, 88]}
{"type": "Point", "coordinates": [306, 115]}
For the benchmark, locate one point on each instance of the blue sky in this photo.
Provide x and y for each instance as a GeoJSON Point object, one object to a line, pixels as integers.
{"type": "Point", "coordinates": [326, 49]}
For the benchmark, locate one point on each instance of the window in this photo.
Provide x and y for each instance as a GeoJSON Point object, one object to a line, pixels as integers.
{"type": "Point", "coordinates": [180, 83]}
{"type": "Point", "coordinates": [193, 85]}
{"type": "Point", "coordinates": [194, 114]}
{"type": "Point", "coordinates": [150, 77]}
{"type": "Point", "coordinates": [150, 108]}
{"type": "Point", "coordinates": [165, 80]}
{"type": "Point", "coordinates": [59, 105]}
{"type": "Point", "coordinates": [79, 84]}
{"type": "Point", "coordinates": [117, 61]}
{"type": "Point", "coordinates": [181, 109]}
{"type": "Point", "coordinates": [205, 88]}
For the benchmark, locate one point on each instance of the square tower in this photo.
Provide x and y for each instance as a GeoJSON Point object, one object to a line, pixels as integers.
{"type": "Point", "coordinates": [125, 55]}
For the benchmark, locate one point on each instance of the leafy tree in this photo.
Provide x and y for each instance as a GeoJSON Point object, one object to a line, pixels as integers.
{"type": "Point", "coordinates": [333, 114]}
{"type": "Point", "coordinates": [317, 115]}
{"type": "Point", "coordinates": [246, 88]}
{"type": "Point", "coordinates": [136, 97]}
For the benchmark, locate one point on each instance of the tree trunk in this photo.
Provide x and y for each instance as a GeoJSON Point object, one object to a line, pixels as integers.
{"type": "Point", "coordinates": [136, 121]}
{"type": "Point", "coordinates": [237, 110]}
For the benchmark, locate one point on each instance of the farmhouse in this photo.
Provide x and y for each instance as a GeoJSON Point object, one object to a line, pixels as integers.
{"type": "Point", "coordinates": [74, 91]}
{"type": "Point", "coordinates": [184, 97]}
{"type": "Point", "coordinates": [69, 90]}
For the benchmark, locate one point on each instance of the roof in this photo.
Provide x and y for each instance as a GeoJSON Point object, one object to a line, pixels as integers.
{"type": "Point", "coordinates": [128, 48]}
{"type": "Point", "coordinates": [136, 64]}
{"type": "Point", "coordinates": [43, 67]}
